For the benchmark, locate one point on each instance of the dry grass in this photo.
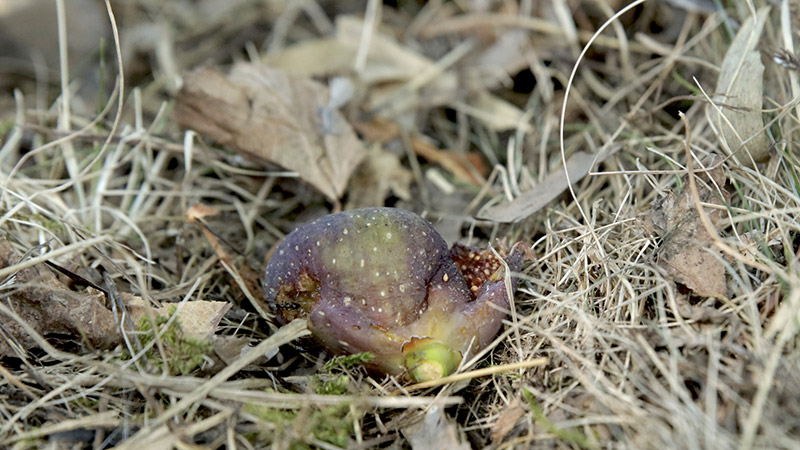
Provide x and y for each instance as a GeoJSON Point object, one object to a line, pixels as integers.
{"type": "Point", "coordinates": [635, 361]}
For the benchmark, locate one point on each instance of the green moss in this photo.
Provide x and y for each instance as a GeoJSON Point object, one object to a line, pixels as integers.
{"type": "Point", "coordinates": [333, 380]}
{"type": "Point", "coordinates": [182, 355]}
{"type": "Point", "coordinates": [332, 385]}
{"type": "Point", "coordinates": [348, 361]}
{"type": "Point", "coordinates": [301, 428]}
{"type": "Point", "coordinates": [54, 226]}
{"type": "Point", "coordinates": [88, 403]}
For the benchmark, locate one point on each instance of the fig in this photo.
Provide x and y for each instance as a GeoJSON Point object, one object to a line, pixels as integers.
{"type": "Point", "coordinates": [382, 280]}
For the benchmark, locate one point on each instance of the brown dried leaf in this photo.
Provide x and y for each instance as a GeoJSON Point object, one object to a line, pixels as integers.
{"type": "Point", "coordinates": [229, 348]}
{"type": "Point", "coordinates": [687, 251]}
{"type": "Point", "coordinates": [200, 211]}
{"type": "Point", "coordinates": [269, 115]}
{"type": "Point", "coordinates": [378, 130]}
{"type": "Point", "coordinates": [44, 303]}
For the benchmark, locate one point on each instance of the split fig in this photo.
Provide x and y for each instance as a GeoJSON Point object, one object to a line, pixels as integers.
{"type": "Point", "coordinates": [382, 280]}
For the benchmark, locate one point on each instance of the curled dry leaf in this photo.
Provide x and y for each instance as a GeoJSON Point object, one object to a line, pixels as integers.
{"type": "Point", "coordinates": [740, 88]}
{"type": "Point", "coordinates": [687, 252]}
{"type": "Point", "coordinates": [50, 308]}
{"type": "Point", "coordinates": [271, 116]}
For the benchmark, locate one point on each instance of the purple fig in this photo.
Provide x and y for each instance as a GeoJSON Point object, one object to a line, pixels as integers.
{"type": "Point", "coordinates": [382, 280]}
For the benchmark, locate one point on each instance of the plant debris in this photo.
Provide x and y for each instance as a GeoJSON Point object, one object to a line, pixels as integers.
{"type": "Point", "coordinates": [738, 104]}
{"type": "Point", "coordinates": [271, 116]}
{"type": "Point", "coordinates": [687, 251]}
{"type": "Point", "coordinates": [40, 301]}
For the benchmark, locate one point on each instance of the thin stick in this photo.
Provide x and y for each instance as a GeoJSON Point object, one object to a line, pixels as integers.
{"type": "Point", "coordinates": [479, 373]}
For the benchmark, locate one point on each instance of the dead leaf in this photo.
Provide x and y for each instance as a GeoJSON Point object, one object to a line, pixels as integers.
{"type": "Point", "coordinates": [227, 349]}
{"type": "Point", "coordinates": [378, 130]}
{"type": "Point", "coordinates": [434, 432]}
{"type": "Point", "coordinates": [269, 115]}
{"type": "Point", "coordinates": [199, 319]}
{"type": "Point", "coordinates": [506, 420]}
{"type": "Point", "coordinates": [380, 175]}
{"type": "Point", "coordinates": [578, 165]}
{"type": "Point", "coordinates": [737, 113]}
{"type": "Point", "coordinates": [387, 60]}
{"type": "Point", "coordinates": [43, 302]}
{"type": "Point", "coordinates": [687, 251]}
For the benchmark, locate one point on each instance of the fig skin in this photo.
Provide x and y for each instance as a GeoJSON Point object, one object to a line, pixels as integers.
{"type": "Point", "coordinates": [382, 280]}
